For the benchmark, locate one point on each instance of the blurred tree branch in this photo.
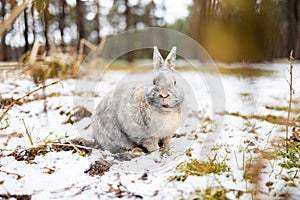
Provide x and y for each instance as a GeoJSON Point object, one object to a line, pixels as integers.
{"type": "Point", "coordinates": [15, 13]}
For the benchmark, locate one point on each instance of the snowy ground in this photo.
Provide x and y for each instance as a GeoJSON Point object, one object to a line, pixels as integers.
{"type": "Point", "coordinates": [240, 143]}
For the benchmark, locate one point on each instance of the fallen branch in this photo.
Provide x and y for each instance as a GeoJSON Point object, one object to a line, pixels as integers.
{"type": "Point", "coordinates": [26, 95]}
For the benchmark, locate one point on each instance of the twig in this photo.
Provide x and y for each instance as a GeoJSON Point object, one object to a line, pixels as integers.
{"type": "Point", "coordinates": [76, 149]}
{"type": "Point", "coordinates": [28, 133]}
{"type": "Point", "coordinates": [290, 99]}
{"type": "Point", "coordinates": [75, 146]}
{"type": "Point", "coordinates": [13, 134]}
{"type": "Point", "coordinates": [26, 95]}
{"type": "Point", "coordinates": [12, 173]}
{"type": "Point", "coordinates": [6, 126]}
{"type": "Point", "coordinates": [7, 195]}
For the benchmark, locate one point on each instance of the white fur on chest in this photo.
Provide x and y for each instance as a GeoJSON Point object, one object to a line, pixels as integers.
{"type": "Point", "coordinates": [165, 125]}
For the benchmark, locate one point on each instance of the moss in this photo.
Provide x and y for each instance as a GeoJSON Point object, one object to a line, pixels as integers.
{"type": "Point", "coordinates": [199, 168]}
{"type": "Point", "coordinates": [216, 193]}
{"type": "Point", "coordinates": [290, 156]}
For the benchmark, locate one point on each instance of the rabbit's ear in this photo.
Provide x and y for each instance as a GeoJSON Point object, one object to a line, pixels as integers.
{"type": "Point", "coordinates": [157, 59]}
{"type": "Point", "coordinates": [170, 60]}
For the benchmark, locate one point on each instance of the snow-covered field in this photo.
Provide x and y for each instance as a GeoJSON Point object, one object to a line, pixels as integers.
{"type": "Point", "coordinates": [246, 142]}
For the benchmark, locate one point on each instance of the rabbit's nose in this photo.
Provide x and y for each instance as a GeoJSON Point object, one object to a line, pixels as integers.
{"type": "Point", "coordinates": [164, 95]}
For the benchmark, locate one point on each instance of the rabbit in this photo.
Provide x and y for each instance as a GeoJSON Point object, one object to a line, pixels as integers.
{"type": "Point", "coordinates": [138, 114]}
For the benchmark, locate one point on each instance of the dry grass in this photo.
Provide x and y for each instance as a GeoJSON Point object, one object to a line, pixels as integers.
{"type": "Point", "coordinates": [78, 145]}
{"type": "Point", "coordinates": [269, 118]}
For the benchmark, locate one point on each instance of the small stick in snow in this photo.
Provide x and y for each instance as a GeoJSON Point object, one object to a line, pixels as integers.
{"type": "Point", "coordinates": [26, 95]}
{"type": "Point", "coordinates": [291, 59]}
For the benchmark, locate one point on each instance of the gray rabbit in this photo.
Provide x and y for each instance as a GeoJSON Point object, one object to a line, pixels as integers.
{"type": "Point", "coordinates": [141, 114]}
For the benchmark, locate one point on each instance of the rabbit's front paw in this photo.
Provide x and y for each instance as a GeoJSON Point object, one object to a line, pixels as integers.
{"type": "Point", "coordinates": [166, 143]}
{"type": "Point", "coordinates": [151, 147]}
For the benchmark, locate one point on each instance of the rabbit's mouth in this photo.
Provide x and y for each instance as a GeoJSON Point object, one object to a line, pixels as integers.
{"type": "Point", "coordinates": [170, 106]}
{"type": "Point", "coordinates": [165, 105]}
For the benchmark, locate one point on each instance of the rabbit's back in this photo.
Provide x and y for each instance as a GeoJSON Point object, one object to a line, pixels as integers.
{"type": "Point", "coordinates": [119, 117]}
{"type": "Point", "coordinates": [105, 126]}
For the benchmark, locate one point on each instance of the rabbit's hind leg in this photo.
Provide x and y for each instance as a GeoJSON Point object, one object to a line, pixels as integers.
{"type": "Point", "coordinates": [113, 140]}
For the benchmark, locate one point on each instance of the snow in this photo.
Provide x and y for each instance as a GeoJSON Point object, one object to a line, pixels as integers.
{"type": "Point", "coordinates": [61, 175]}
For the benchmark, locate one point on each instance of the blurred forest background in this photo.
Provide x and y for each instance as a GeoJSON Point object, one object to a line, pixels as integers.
{"type": "Point", "coordinates": [230, 30]}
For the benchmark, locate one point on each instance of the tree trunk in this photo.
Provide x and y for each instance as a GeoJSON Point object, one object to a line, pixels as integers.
{"type": "Point", "coordinates": [80, 19]}
{"type": "Point", "coordinates": [292, 26]}
{"type": "Point", "coordinates": [128, 19]}
{"type": "Point", "coordinates": [62, 16]}
{"type": "Point", "coordinates": [46, 24]}
{"type": "Point", "coordinates": [2, 45]}
{"type": "Point", "coordinates": [97, 21]}
{"type": "Point", "coordinates": [128, 16]}
{"type": "Point", "coordinates": [26, 32]}
{"type": "Point", "coordinates": [199, 20]}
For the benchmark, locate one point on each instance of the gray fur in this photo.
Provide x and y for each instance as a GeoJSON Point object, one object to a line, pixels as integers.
{"type": "Point", "coordinates": [141, 114]}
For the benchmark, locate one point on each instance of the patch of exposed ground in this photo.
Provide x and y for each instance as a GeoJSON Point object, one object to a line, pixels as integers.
{"type": "Point", "coordinates": [98, 168]}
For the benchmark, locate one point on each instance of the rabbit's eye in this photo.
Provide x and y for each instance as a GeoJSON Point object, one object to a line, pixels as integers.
{"type": "Point", "coordinates": [174, 82]}
{"type": "Point", "coordinates": [154, 82]}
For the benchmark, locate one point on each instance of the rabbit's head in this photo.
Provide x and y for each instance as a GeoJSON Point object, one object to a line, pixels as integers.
{"type": "Point", "coordinates": [164, 92]}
